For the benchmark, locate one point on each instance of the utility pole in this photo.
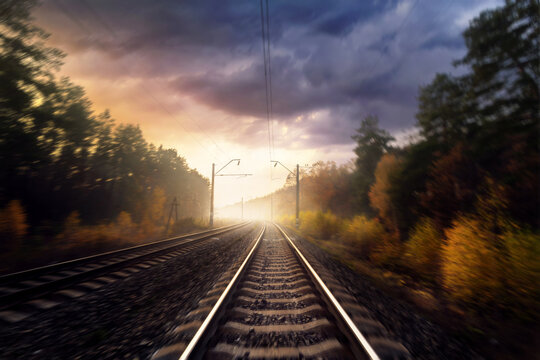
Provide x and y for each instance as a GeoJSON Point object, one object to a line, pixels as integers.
{"type": "Point", "coordinates": [212, 196]}
{"type": "Point", "coordinates": [297, 196]}
{"type": "Point", "coordinates": [214, 174]}
{"type": "Point", "coordinates": [297, 188]}
{"type": "Point", "coordinates": [174, 207]}
{"type": "Point", "coordinates": [272, 206]}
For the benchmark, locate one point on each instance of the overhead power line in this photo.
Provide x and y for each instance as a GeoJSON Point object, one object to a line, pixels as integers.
{"type": "Point", "coordinates": [266, 44]}
{"type": "Point", "coordinates": [270, 77]}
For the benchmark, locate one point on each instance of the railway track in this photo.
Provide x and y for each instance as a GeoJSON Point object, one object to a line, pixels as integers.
{"type": "Point", "coordinates": [25, 293]}
{"type": "Point", "coordinates": [274, 305]}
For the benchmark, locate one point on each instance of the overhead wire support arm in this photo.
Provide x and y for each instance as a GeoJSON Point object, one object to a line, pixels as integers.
{"type": "Point", "coordinates": [234, 175]}
{"type": "Point", "coordinates": [214, 174]}
{"type": "Point", "coordinates": [224, 166]}
{"type": "Point", "coordinates": [278, 162]}
{"type": "Point", "coordinates": [275, 162]}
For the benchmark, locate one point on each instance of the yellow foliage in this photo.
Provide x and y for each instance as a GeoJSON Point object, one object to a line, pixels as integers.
{"type": "Point", "coordinates": [322, 225]}
{"type": "Point", "coordinates": [483, 267]}
{"type": "Point", "coordinates": [471, 266]}
{"type": "Point", "coordinates": [153, 220]}
{"type": "Point", "coordinates": [123, 227]}
{"type": "Point", "coordinates": [490, 259]}
{"type": "Point", "coordinates": [123, 220]}
{"type": "Point", "coordinates": [363, 234]}
{"type": "Point", "coordinates": [523, 270]}
{"type": "Point", "coordinates": [13, 225]}
{"type": "Point", "coordinates": [287, 220]}
{"type": "Point", "coordinates": [422, 252]}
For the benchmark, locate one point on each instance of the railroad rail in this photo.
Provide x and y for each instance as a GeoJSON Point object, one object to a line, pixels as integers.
{"type": "Point", "coordinates": [90, 272]}
{"type": "Point", "coordinates": [275, 304]}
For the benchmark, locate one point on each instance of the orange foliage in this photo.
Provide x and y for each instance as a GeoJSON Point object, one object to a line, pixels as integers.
{"type": "Point", "coordinates": [379, 196]}
{"type": "Point", "coordinates": [13, 225]}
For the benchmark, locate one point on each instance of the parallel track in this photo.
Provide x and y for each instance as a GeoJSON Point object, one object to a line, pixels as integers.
{"type": "Point", "coordinates": [20, 287]}
{"type": "Point", "coordinates": [276, 306]}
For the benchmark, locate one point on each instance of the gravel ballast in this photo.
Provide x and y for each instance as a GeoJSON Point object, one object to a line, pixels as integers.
{"type": "Point", "coordinates": [423, 338]}
{"type": "Point", "coordinates": [128, 318]}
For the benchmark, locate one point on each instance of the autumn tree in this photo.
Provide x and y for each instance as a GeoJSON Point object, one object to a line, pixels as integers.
{"type": "Point", "coordinates": [450, 187]}
{"type": "Point", "coordinates": [326, 185]}
{"type": "Point", "coordinates": [371, 143]}
{"type": "Point", "coordinates": [379, 196]}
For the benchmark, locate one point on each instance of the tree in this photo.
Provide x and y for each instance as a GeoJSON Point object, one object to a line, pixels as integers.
{"type": "Point", "coordinates": [444, 109]}
{"type": "Point", "coordinates": [26, 66]}
{"type": "Point", "coordinates": [326, 187]}
{"type": "Point", "coordinates": [371, 143]}
{"type": "Point", "coordinates": [58, 157]}
{"type": "Point", "coordinates": [502, 51]}
{"type": "Point", "coordinates": [450, 187]}
{"type": "Point", "coordinates": [379, 193]}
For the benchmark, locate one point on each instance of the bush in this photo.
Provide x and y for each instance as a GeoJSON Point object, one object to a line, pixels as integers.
{"type": "Point", "coordinates": [322, 225]}
{"type": "Point", "coordinates": [491, 260]}
{"type": "Point", "coordinates": [184, 225]}
{"type": "Point", "coordinates": [523, 270]}
{"type": "Point", "coordinates": [471, 266]}
{"type": "Point", "coordinates": [388, 250]}
{"type": "Point", "coordinates": [13, 226]}
{"type": "Point", "coordinates": [422, 251]}
{"type": "Point", "coordinates": [489, 268]}
{"type": "Point", "coordinates": [364, 235]}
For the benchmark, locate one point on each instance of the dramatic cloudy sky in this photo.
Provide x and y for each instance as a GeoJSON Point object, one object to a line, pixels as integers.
{"type": "Point", "coordinates": [191, 73]}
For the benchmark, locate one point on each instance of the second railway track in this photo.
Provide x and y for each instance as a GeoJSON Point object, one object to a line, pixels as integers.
{"type": "Point", "coordinates": [274, 305]}
{"type": "Point", "coordinates": [39, 289]}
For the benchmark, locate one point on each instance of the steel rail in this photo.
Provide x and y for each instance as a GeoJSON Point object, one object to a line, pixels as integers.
{"type": "Point", "coordinates": [10, 299]}
{"type": "Point", "coordinates": [98, 257]}
{"type": "Point", "coordinates": [359, 337]}
{"type": "Point", "coordinates": [201, 334]}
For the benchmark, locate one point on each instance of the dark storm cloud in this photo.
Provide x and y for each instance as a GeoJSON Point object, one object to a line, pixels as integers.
{"type": "Point", "coordinates": [343, 59]}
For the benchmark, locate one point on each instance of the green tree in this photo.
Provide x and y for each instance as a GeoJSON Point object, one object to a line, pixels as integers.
{"type": "Point", "coordinates": [445, 109]}
{"type": "Point", "coordinates": [58, 157]}
{"type": "Point", "coordinates": [502, 52]}
{"type": "Point", "coordinates": [371, 143]}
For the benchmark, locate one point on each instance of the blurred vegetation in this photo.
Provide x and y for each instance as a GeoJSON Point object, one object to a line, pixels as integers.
{"type": "Point", "coordinates": [62, 163]}
{"type": "Point", "coordinates": [457, 210]}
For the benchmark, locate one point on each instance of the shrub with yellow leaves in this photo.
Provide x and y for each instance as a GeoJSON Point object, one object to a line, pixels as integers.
{"type": "Point", "coordinates": [422, 251]}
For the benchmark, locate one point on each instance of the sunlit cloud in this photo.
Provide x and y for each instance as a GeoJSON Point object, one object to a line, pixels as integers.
{"type": "Point", "coordinates": [192, 76]}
